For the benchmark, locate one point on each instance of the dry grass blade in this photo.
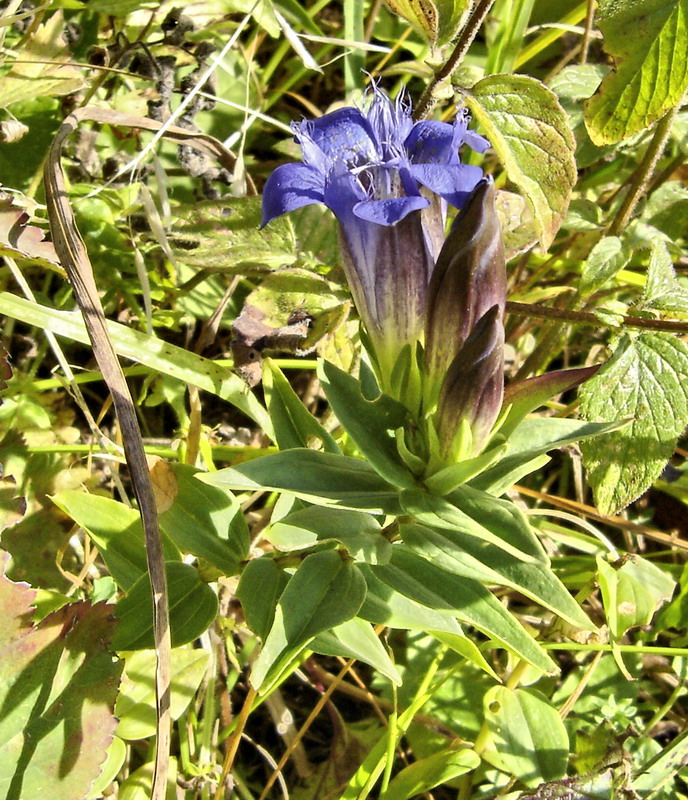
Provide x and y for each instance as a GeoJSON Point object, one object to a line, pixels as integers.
{"type": "Point", "coordinates": [72, 253]}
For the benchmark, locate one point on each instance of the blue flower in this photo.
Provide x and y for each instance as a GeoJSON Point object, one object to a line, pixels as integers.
{"type": "Point", "coordinates": [388, 181]}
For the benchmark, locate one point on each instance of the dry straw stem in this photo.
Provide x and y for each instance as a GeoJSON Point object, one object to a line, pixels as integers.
{"type": "Point", "coordinates": [73, 256]}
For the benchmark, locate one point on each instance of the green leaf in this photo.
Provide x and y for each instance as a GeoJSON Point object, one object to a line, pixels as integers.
{"type": "Point", "coordinates": [135, 707]}
{"type": "Point", "coordinates": [480, 515]}
{"type": "Point", "coordinates": [294, 425]}
{"type": "Point", "coordinates": [426, 774]}
{"type": "Point", "coordinates": [58, 683]}
{"type": "Point", "coordinates": [227, 237]}
{"type": "Point", "coordinates": [323, 478]}
{"type": "Point", "coordinates": [115, 530]}
{"type": "Point", "coordinates": [359, 533]}
{"type": "Point", "coordinates": [464, 555]}
{"type": "Point", "coordinates": [530, 132]}
{"type": "Point", "coordinates": [150, 351]}
{"type": "Point", "coordinates": [646, 380]}
{"type": "Point", "coordinates": [384, 605]}
{"type": "Point", "coordinates": [325, 591]}
{"type": "Point", "coordinates": [370, 423]}
{"type": "Point", "coordinates": [260, 587]}
{"type": "Point", "coordinates": [356, 639]}
{"type": "Point", "coordinates": [533, 437]}
{"type": "Point", "coordinates": [651, 72]}
{"type": "Point", "coordinates": [529, 739]}
{"type": "Point", "coordinates": [464, 598]}
{"type": "Point", "coordinates": [203, 520]}
{"type": "Point", "coordinates": [193, 606]}
{"type": "Point", "coordinates": [606, 258]}
{"type": "Point", "coordinates": [662, 289]}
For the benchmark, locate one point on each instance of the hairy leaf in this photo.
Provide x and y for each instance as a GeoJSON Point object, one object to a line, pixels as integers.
{"type": "Point", "coordinates": [648, 40]}
{"type": "Point", "coordinates": [531, 134]}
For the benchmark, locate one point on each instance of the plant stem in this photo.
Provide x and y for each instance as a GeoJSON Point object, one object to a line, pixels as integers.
{"type": "Point", "coordinates": [427, 102]}
{"type": "Point", "coordinates": [589, 318]}
{"type": "Point", "coordinates": [643, 173]}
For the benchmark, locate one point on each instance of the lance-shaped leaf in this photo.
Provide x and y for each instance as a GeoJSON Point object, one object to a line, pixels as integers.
{"type": "Point", "coordinates": [473, 389]}
{"type": "Point", "coordinates": [468, 280]}
{"type": "Point", "coordinates": [525, 396]}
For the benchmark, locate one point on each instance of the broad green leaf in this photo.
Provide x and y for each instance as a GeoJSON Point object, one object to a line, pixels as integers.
{"type": "Point", "coordinates": [480, 515]}
{"type": "Point", "coordinates": [356, 639]}
{"type": "Point", "coordinates": [533, 437]}
{"type": "Point", "coordinates": [202, 520]}
{"type": "Point", "coordinates": [139, 785]}
{"type": "Point", "coordinates": [464, 555]}
{"type": "Point", "coordinates": [361, 534]}
{"type": "Point", "coordinates": [583, 215]}
{"type": "Point", "coordinates": [260, 587]}
{"type": "Point", "coordinates": [667, 208]}
{"type": "Point", "coordinates": [464, 598]}
{"type": "Point", "coordinates": [370, 423]}
{"type": "Point", "coordinates": [115, 530]}
{"type": "Point", "coordinates": [529, 740]}
{"type": "Point", "coordinates": [422, 15]}
{"type": "Point", "coordinates": [606, 258]}
{"type": "Point", "coordinates": [168, 359]}
{"type": "Point", "coordinates": [426, 774]}
{"type": "Point", "coordinates": [662, 289]}
{"type": "Point", "coordinates": [135, 707]}
{"type": "Point", "coordinates": [662, 767]}
{"type": "Point", "coordinates": [58, 683]}
{"type": "Point", "coordinates": [227, 237]}
{"type": "Point", "coordinates": [651, 72]}
{"type": "Point", "coordinates": [323, 478]}
{"type": "Point", "coordinates": [193, 606]}
{"type": "Point", "coordinates": [530, 132]}
{"type": "Point", "coordinates": [645, 380]}
{"type": "Point", "coordinates": [384, 605]}
{"type": "Point", "coordinates": [294, 425]}
{"type": "Point", "coordinates": [325, 591]}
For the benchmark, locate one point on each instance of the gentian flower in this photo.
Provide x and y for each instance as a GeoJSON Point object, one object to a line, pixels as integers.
{"type": "Point", "coordinates": [388, 181]}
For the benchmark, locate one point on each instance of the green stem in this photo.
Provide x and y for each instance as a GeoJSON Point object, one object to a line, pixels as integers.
{"type": "Point", "coordinates": [427, 102]}
{"type": "Point", "coordinates": [643, 173]}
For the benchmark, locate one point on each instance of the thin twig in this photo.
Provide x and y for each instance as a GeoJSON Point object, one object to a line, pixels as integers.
{"type": "Point", "coordinates": [587, 35]}
{"type": "Point", "coordinates": [427, 101]}
{"type": "Point", "coordinates": [589, 318]}
{"type": "Point", "coordinates": [643, 173]}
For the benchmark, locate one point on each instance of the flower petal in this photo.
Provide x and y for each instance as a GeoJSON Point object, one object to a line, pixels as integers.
{"type": "Point", "coordinates": [344, 135]}
{"type": "Point", "coordinates": [453, 182]}
{"type": "Point", "coordinates": [432, 142]}
{"type": "Point", "coordinates": [289, 187]}
{"type": "Point", "coordinates": [390, 211]}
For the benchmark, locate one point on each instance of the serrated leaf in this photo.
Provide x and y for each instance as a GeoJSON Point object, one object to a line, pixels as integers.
{"type": "Point", "coordinates": [530, 132]}
{"type": "Point", "coordinates": [662, 289]}
{"type": "Point", "coordinates": [606, 258]}
{"type": "Point", "coordinates": [646, 380]}
{"type": "Point", "coordinates": [227, 237]}
{"type": "Point", "coordinates": [529, 739]}
{"type": "Point", "coordinates": [325, 591]}
{"type": "Point", "coordinates": [58, 683]}
{"type": "Point", "coordinates": [651, 73]}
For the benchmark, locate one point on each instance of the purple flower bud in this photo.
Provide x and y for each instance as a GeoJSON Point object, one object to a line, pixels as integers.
{"type": "Point", "coordinates": [469, 279]}
{"type": "Point", "coordinates": [471, 394]}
